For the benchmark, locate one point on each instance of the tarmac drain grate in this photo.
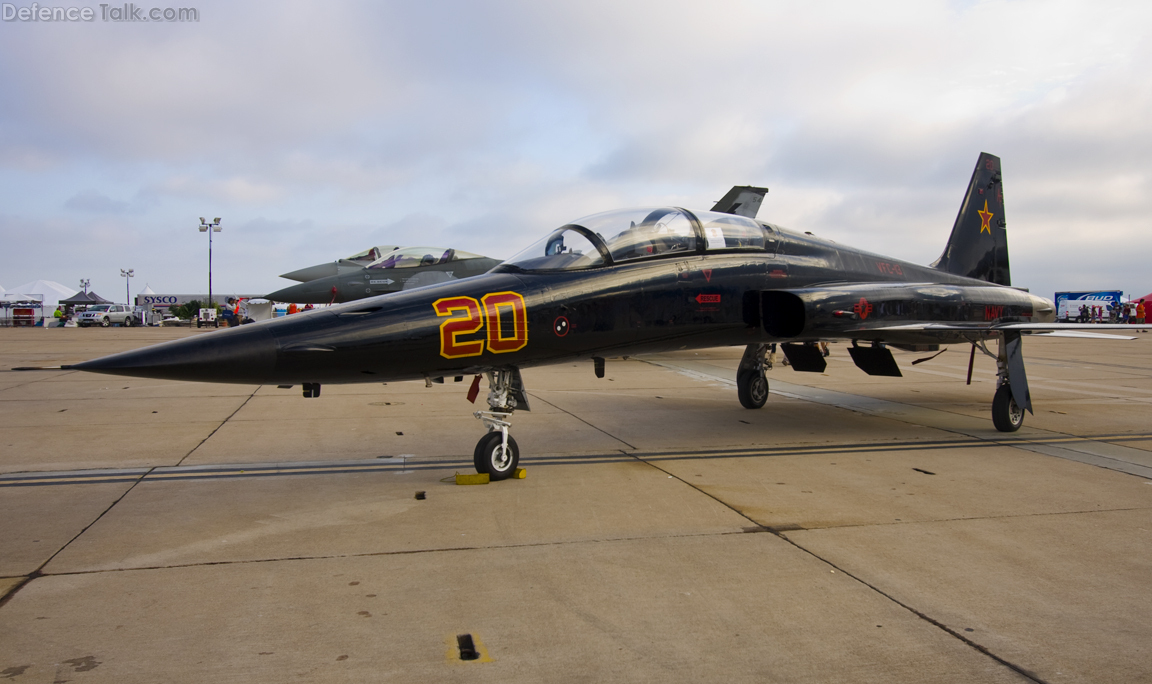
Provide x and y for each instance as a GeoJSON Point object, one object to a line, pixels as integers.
{"type": "Point", "coordinates": [467, 647]}
{"type": "Point", "coordinates": [420, 496]}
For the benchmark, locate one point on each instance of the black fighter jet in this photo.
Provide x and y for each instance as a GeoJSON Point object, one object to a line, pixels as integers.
{"type": "Point", "coordinates": [640, 281]}
{"type": "Point", "coordinates": [391, 269]}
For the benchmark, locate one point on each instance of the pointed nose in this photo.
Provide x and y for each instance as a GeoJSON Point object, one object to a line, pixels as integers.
{"type": "Point", "coordinates": [244, 355]}
{"type": "Point", "coordinates": [313, 272]}
{"type": "Point", "coordinates": [318, 291]}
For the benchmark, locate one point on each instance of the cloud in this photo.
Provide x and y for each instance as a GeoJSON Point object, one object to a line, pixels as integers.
{"type": "Point", "coordinates": [317, 131]}
{"type": "Point", "coordinates": [92, 201]}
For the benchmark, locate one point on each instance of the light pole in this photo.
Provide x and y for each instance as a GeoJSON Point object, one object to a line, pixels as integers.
{"type": "Point", "coordinates": [127, 279]}
{"type": "Point", "coordinates": [84, 283]}
{"type": "Point", "coordinates": [210, 228]}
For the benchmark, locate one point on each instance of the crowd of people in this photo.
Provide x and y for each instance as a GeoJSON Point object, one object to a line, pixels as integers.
{"type": "Point", "coordinates": [1116, 312]}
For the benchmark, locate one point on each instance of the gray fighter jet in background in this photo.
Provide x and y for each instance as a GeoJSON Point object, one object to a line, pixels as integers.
{"type": "Point", "coordinates": [388, 268]}
{"type": "Point", "coordinates": [399, 268]}
{"type": "Point", "coordinates": [340, 266]}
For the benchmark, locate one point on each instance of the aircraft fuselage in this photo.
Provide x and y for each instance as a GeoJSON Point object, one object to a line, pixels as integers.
{"type": "Point", "coordinates": [677, 301]}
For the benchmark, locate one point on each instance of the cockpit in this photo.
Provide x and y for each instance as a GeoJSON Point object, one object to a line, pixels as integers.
{"type": "Point", "coordinates": [371, 254]}
{"type": "Point", "coordinates": [410, 257]}
{"type": "Point", "coordinates": [627, 235]}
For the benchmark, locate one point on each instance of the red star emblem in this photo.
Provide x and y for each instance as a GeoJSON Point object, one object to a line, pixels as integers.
{"type": "Point", "coordinates": [862, 308]}
{"type": "Point", "coordinates": [985, 219]}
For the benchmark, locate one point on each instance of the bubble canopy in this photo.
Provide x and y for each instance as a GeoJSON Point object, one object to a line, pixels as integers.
{"type": "Point", "coordinates": [411, 257]}
{"type": "Point", "coordinates": [625, 235]}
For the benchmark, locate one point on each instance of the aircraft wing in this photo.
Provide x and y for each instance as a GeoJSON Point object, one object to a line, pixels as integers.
{"type": "Point", "coordinates": [1083, 330]}
{"type": "Point", "coordinates": [743, 200]}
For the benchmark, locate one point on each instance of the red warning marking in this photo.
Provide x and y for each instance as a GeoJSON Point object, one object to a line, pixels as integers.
{"type": "Point", "coordinates": [778, 273]}
{"type": "Point", "coordinates": [862, 308]}
{"type": "Point", "coordinates": [707, 299]}
{"type": "Point", "coordinates": [707, 274]}
{"type": "Point", "coordinates": [474, 390]}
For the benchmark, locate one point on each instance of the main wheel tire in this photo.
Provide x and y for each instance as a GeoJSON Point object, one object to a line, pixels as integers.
{"type": "Point", "coordinates": [1007, 416]}
{"type": "Point", "coordinates": [491, 457]}
{"type": "Point", "coordinates": [106, 322]}
{"type": "Point", "coordinates": [752, 388]}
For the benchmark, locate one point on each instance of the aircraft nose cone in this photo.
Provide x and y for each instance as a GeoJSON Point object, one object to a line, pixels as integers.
{"type": "Point", "coordinates": [245, 355]}
{"type": "Point", "coordinates": [1043, 310]}
{"type": "Point", "coordinates": [313, 292]}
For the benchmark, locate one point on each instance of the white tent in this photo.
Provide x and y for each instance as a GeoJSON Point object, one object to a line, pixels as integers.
{"type": "Point", "coordinates": [51, 292]}
{"type": "Point", "coordinates": [147, 290]}
{"type": "Point", "coordinates": [259, 309]}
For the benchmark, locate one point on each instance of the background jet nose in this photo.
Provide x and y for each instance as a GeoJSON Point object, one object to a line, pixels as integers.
{"type": "Point", "coordinates": [313, 292]}
{"type": "Point", "coordinates": [245, 355]}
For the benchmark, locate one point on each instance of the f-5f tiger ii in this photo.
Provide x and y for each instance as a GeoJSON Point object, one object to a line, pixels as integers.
{"type": "Point", "coordinates": [648, 280]}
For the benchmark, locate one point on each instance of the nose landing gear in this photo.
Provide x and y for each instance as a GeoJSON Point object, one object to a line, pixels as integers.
{"type": "Point", "coordinates": [497, 453]}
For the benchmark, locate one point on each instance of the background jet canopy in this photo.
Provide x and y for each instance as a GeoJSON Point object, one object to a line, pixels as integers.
{"type": "Point", "coordinates": [411, 257]}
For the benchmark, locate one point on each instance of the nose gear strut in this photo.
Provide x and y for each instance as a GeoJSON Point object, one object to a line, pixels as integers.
{"type": "Point", "coordinates": [497, 453]}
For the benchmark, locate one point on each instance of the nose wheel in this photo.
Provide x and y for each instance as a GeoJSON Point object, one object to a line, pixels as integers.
{"type": "Point", "coordinates": [496, 454]}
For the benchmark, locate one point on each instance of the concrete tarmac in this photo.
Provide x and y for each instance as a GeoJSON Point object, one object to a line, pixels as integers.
{"type": "Point", "coordinates": [855, 529]}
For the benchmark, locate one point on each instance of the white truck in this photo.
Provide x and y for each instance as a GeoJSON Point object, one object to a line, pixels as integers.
{"type": "Point", "coordinates": [107, 314]}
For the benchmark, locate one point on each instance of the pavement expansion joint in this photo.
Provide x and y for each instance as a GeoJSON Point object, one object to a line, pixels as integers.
{"type": "Point", "coordinates": [589, 424]}
{"type": "Point", "coordinates": [780, 533]}
{"type": "Point", "coordinates": [380, 554]}
{"type": "Point", "coordinates": [222, 424]}
{"type": "Point", "coordinates": [973, 518]}
{"type": "Point", "coordinates": [918, 613]}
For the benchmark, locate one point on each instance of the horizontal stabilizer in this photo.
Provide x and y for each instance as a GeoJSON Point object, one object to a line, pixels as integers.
{"type": "Point", "coordinates": [1084, 335]}
{"type": "Point", "coordinates": [1026, 328]}
{"type": "Point", "coordinates": [743, 200]}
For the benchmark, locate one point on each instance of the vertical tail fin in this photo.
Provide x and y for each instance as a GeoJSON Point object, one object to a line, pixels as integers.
{"type": "Point", "coordinates": [978, 247]}
{"type": "Point", "coordinates": [743, 200]}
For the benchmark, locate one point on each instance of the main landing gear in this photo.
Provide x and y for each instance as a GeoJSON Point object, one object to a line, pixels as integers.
{"type": "Point", "coordinates": [496, 453]}
{"type": "Point", "coordinates": [751, 382]}
{"type": "Point", "coordinates": [1007, 414]}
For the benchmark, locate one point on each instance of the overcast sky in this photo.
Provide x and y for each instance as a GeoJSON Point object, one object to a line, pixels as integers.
{"type": "Point", "coordinates": [317, 130]}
